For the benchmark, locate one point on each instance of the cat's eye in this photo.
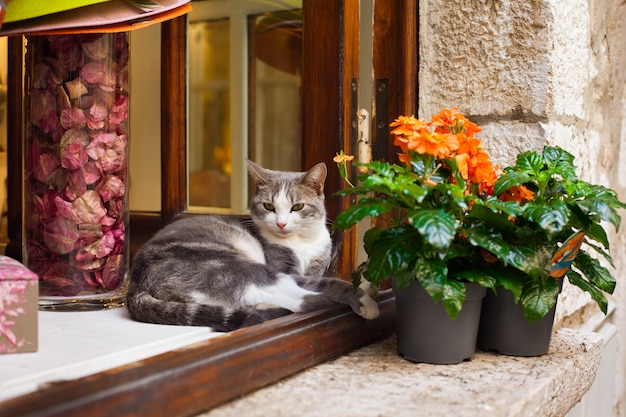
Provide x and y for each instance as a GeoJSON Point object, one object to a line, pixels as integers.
{"type": "Point", "coordinates": [297, 207]}
{"type": "Point", "coordinates": [269, 207]}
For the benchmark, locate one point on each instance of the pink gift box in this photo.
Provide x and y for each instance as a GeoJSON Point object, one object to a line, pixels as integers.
{"type": "Point", "coordinates": [19, 292]}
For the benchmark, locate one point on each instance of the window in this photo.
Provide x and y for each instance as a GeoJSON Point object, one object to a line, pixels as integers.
{"type": "Point", "coordinates": [189, 380]}
{"type": "Point", "coordinates": [245, 62]}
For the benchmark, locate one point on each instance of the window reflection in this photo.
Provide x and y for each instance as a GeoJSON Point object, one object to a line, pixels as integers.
{"type": "Point", "coordinates": [275, 79]}
{"type": "Point", "coordinates": [244, 98]}
{"type": "Point", "coordinates": [209, 114]}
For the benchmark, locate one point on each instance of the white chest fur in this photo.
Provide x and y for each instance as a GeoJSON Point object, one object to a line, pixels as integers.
{"type": "Point", "coordinates": [307, 244]}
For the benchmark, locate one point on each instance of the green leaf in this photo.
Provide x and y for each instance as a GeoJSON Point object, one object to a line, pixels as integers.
{"type": "Point", "coordinates": [370, 237]}
{"type": "Point", "coordinates": [432, 274]}
{"type": "Point", "coordinates": [510, 179]}
{"type": "Point", "coordinates": [529, 163]}
{"type": "Point", "coordinates": [436, 226]}
{"type": "Point", "coordinates": [600, 207]}
{"type": "Point", "coordinates": [488, 277]}
{"type": "Point", "coordinates": [538, 297]}
{"type": "Point", "coordinates": [561, 162]}
{"type": "Point", "coordinates": [492, 241]}
{"type": "Point", "coordinates": [597, 295]}
{"type": "Point", "coordinates": [365, 207]}
{"type": "Point", "coordinates": [392, 252]}
{"type": "Point", "coordinates": [453, 298]}
{"type": "Point", "coordinates": [550, 217]}
{"type": "Point", "coordinates": [597, 274]}
{"type": "Point", "coordinates": [495, 219]}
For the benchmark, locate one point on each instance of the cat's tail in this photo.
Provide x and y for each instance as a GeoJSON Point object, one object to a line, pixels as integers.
{"type": "Point", "coordinates": [143, 307]}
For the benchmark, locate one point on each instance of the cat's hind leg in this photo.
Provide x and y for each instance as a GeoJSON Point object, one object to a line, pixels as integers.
{"type": "Point", "coordinates": [304, 294]}
{"type": "Point", "coordinates": [333, 290]}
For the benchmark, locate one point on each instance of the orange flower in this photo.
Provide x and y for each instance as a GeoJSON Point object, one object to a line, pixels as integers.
{"type": "Point", "coordinates": [341, 157]}
{"type": "Point", "coordinates": [453, 121]}
{"type": "Point", "coordinates": [517, 193]}
{"type": "Point", "coordinates": [436, 144]}
{"type": "Point", "coordinates": [413, 134]}
{"type": "Point", "coordinates": [407, 126]}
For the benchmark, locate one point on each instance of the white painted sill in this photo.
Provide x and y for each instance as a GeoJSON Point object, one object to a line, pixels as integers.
{"type": "Point", "coordinates": [77, 344]}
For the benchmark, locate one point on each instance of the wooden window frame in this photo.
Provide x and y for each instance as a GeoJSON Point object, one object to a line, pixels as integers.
{"type": "Point", "coordinates": [199, 377]}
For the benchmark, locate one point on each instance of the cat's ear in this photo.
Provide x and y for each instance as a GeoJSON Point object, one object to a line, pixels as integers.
{"type": "Point", "coordinates": [258, 174]}
{"type": "Point", "coordinates": [315, 178]}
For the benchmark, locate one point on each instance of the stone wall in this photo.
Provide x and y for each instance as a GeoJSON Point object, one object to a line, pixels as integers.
{"type": "Point", "coordinates": [535, 73]}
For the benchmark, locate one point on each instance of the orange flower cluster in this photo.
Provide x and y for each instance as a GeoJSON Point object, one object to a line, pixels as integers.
{"type": "Point", "coordinates": [449, 135]}
{"type": "Point", "coordinates": [518, 193]}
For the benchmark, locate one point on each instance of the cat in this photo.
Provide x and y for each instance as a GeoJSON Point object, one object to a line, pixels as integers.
{"type": "Point", "coordinates": [228, 272]}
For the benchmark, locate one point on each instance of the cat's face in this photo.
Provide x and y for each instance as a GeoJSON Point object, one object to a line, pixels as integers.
{"type": "Point", "coordinates": [288, 203]}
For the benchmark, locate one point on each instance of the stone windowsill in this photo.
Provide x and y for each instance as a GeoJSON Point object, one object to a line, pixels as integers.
{"type": "Point", "coordinates": [375, 381]}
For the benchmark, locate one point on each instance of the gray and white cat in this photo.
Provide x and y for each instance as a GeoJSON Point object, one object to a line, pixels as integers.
{"type": "Point", "coordinates": [230, 272]}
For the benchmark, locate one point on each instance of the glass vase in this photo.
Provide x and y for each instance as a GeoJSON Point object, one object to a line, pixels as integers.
{"type": "Point", "coordinates": [75, 225]}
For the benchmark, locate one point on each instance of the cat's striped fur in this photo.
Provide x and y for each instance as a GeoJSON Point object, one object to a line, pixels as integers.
{"type": "Point", "coordinates": [231, 272]}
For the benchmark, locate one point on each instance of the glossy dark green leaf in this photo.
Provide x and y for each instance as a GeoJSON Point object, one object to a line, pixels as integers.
{"type": "Point", "coordinates": [560, 161]}
{"type": "Point", "coordinates": [432, 274]}
{"type": "Point", "coordinates": [597, 274]}
{"type": "Point", "coordinates": [510, 179]}
{"type": "Point", "coordinates": [393, 251]}
{"type": "Point", "coordinates": [488, 277]}
{"type": "Point", "coordinates": [453, 299]}
{"type": "Point", "coordinates": [436, 226]}
{"type": "Point", "coordinates": [551, 217]}
{"type": "Point", "coordinates": [366, 207]}
{"type": "Point", "coordinates": [583, 284]}
{"type": "Point", "coordinates": [538, 297]}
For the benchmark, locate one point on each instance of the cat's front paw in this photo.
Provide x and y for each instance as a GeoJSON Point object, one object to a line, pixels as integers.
{"type": "Point", "coordinates": [368, 308]}
{"type": "Point", "coordinates": [366, 287]}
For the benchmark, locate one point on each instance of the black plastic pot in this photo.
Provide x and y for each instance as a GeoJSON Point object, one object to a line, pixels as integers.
{"type": "Point", "coordinates": [504, 329]}
{"type": "Point", "coordinates": [426, 334]}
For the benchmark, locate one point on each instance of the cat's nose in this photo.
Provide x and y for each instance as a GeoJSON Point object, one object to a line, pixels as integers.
{"type": "Point", "coordinates": [281, 226]}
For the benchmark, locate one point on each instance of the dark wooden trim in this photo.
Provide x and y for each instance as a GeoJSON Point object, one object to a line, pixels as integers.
{"type": "Point", "coordinates": [396, 60]}
{"type": "Point", "coordinates": [15, 176]}
{"type": "Point", "coordinates": [202, 376]}
{"type": "Point", "coordinates": [173, 118]}
{"type": "Point", "coordinates": [331, 63]}
{"type": "Point", "coordinates": [142, 226]}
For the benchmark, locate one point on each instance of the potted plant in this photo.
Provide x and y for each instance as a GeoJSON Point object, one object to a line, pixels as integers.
{"type": "Point", "coordinates": [447, 220]}
{"type": "Point", "coordinates": [556, 215]}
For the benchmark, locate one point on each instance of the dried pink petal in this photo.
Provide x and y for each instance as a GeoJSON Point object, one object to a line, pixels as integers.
{"type": "Point", "coordinates": [97, 249]}
{"type": "Point", "coordinates": [73, 152]}
{"type": "Point", "coordinates": [76, 88]}
{"type": "Point", "coordinates": [63, 100]}
{"type": "Point", "coordinates": [45, 165]}
{"type": "Point", "coordinates": [112, 186]}
{"type": "Point", "coordinates": [40, 75]}
{"type": "Point", "coordinates": [73, 118]}
{"type": "Point", "coordinates": [67, 50]}
{"type": "Point", "coordinates": [113, 271]}
{"type": "Point", "coordinates": [64, 209]}
{"type": "Point", "coordinates": [76, 186]}
{"type": "Point", "coordinates": [60, 236]}
{"type": "Point", "coordinates": [88, 208]}
{"type": "Point", "coordinates": [98, 111]}
{"type": "Point", "coordinates": [97, 48]}
{"type": "Point", "coordinates": [91, 172]}
{"type": "Point", "coordinates": [41, 101]}
{"type": "Point", "coordinates": [103, 74]}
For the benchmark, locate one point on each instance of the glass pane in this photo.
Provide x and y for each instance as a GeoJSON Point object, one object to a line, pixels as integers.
{"type": "Point", "coordinates": [275, 82]}
{"type": "Point", "coordinates": [209, 113]}
{"type": "Point", "coordinates": [244, 97]}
